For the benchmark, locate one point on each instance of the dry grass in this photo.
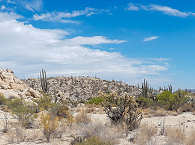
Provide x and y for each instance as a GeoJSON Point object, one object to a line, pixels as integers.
{"type": "Point", "coordinates": [190, 139]}
{"type": "Point", "coordinates": [159, 112]}
{"type": "Point", "coordinates": [175, 136]}
{"type": "Point", "coordinates": [16, 135]}
{"type": "Point", "coordinates": [154, 113]}
{"type": "Point", "coordinates": [96, 131]}
{"type": "Point", "coordinates": [82, 117]}
{"type": "Point", "coordinates": [146, 135]}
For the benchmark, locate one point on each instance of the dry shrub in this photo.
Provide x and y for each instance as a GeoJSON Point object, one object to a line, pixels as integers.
{"type": "Point", "coordinates": [97, 132]}
{"type": "Point", "coordinates": [146, 135]}
{"type": "Point", "coordinates": [173, 113]}
{"type": "Point", "coordinates": [122, 109]}
{"type": "Point", "coordinates": [16, 135]}
{"type": "Point", "coordinates": [175, 136]}
{"type": "Point", "coordinates": [185, 108]}
{"type": "Point", "coordinates": [82, 117]}
{"type": "Point", "coordinates": [159, 112]}
{"type": "Point", "coordinates": [50, 124]}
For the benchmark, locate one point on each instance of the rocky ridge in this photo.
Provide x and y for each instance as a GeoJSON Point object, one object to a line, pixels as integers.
{"type": "Point", "coordinates": [12, 87]}
{"type": "Point", "coordinates": [82, 88]}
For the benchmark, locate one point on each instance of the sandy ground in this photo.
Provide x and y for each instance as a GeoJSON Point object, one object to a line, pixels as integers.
{"type": "Point", "coordinates": [185, 120]}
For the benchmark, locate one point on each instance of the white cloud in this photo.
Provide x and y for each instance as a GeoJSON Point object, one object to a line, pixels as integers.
{"type": "Point", "coordinates": [64, 17]}
{"type": "Point", "coordinates": [169, 11]}
{"type": "Point", "coordinates": [133, 7]}
{"type": "Point", "coordinates": [150, 38]}
{"type": "Point", "coordinates": [32, 5]}
{"type": "Point", "coordinates": [94, 40]}
{"type": "Point", "coordinates": [164, 9]}
{"type": "Point", "coordinates": [11, 2]}
{"type": "Point", "coordinates": [27, 49]}
{"type": "Point", "coordinates": [3, 7]}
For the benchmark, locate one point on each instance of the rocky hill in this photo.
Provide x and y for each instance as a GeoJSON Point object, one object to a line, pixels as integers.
{"type": "Point", "coordinates": [82, 88]}
{"type": "Point", "coordinates": [12, 87]}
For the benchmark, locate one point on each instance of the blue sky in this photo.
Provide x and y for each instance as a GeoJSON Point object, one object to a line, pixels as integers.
{"type": "Point", "coordinates": [126, 40]}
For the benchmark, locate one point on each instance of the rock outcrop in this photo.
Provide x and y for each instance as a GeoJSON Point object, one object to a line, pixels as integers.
{"type": "Point", "coordinates": [12, 87]}
{"type": "Point", "coordinates": [83, 88]}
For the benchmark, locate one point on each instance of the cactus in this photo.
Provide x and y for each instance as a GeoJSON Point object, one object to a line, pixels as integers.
{"type": "Point", "coordinates": [170, 88]}
{"type": "Point", "coordinates": [145, 89]}
{"type": "Point", "coordinates": [43, 79]}
{"type": "Point", "coordinates": [122, 109]}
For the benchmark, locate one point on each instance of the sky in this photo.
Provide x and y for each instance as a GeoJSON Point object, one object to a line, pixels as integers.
{"type": "Point", "coordinates": [126, 40]}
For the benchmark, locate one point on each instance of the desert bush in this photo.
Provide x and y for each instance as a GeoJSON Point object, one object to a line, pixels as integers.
{"type": "Point", "coordinates": [145, 135]}
{"type": "Point", "coordinates": [62, 111]}
{"type": "Point", "coordinates": [166, 100]}
{"type": "Point", "coordinates": [3, 100]}
{"type": "Point", "coordinates": [122, 109]}
{"type": "Point", "coordinates": [145, 102]}
{"type": "Point", "coordinates": [45, 102]}
{"type": "Point", "coordinates": [16, 135]}
{"type": "Point", "coordinates": [172, 101]}
{"type": "Point", "coordinates": [94, 141]}
{"type": "Point", "coordinates": [96, 100]}
{"type": "Point", "coordinates": [23, 111]}
{"type": "Point", "coordinates": [5, 122]}
{"type": "Point", "coordinates": [50, 124]}
{"type": "Point", "coordinates": [99, 133]}
{"type": "Point", "coordinates": [82, 117]}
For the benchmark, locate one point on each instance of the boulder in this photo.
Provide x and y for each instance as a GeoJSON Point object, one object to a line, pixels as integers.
{"type": "Point", "coordinates": [12, 87]}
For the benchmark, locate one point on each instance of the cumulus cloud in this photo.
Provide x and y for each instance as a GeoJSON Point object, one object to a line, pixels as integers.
{"type": "Point", "coordinates": [26, 49]}
{"type": "Point", "coordinates": [150, 38]}
{"type": "Point", "coordinates": [64, 17]}
{"type": "Point", "coordinates": [164, 9]}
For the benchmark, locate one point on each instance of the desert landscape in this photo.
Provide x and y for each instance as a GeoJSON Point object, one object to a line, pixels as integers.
{"type": "Point", "coordinates": [97, 72]}
{"type": "Point", "coordinates": [91, 111]}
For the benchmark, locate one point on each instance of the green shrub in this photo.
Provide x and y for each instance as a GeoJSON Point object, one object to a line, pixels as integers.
{"type": "Point", "coordinates": [94, 141]}
{"type": "Point", "coordinates": [3, 100]}
{"type": "Point", "coordinates": [145, 102]}
{"type": "Point", "coordinates": [23, 111]}
{"type": "Point", "coordinates": [45, 102]}
{"type": "Point", "coordinates": [96, 100]}
{"type": "Point", "coordinates": [172, 101]}
{"type": "Point", "coordinates": [166, 100]}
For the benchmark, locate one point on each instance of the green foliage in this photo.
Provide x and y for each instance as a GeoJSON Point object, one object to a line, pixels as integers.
{"type": "Point", "coordinates": [172, 101]}
{"type": "Point", "coordinates": [166, 100]}
{"type": "Point", "coordinates": [45, 102]}
{"type": "Point", "coordinates": [94, 141]}
{"type": "Point", "coordinates": [145, 102]}
{"type": "Point", "coordinates": [23, 111]}
{"type": "Point", "coordinates": [3, 100]}
{"type": "Point", "coordinates": [96, 100]}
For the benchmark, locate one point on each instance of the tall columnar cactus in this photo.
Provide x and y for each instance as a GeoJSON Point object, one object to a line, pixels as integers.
{"type": "Point", "coordinates": [170, 88]}
{"type": "Point", "coordinates": [145, 89]}
{"type": "Point", "coordinates": [43, 80]}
